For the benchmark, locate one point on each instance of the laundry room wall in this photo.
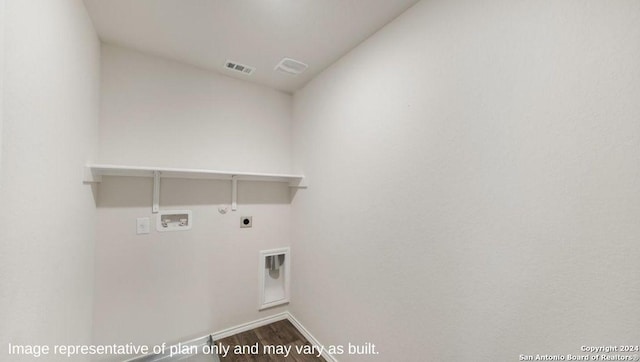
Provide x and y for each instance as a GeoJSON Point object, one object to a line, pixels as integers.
{"type": "Point", "coordinates": [474, 184]}
{"type": "Point", "coordinates": [171, 286]}
{"type": "Point", "coordinates": [50, 109]}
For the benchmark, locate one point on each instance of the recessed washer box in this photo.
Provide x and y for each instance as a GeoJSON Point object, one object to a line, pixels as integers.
{"type": "Point", "coordinates": [174, 220]}
{"type": "Point", "coordinates": [273, 266]}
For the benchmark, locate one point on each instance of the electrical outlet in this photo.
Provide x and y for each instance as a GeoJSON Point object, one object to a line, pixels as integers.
{"type": "Point", "coordinates": [142, 225]}
{"type": "Point", "coordinates": [246, 221]}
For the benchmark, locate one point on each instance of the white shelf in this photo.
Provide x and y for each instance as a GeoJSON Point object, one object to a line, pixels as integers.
{"type": "Point", "coordinates": [94, 172]}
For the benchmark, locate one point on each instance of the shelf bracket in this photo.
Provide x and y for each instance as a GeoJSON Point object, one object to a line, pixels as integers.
{"type": "Point", "coordinates": [156, 192]}
{"type": "Point", "coordinates": [234, 193]}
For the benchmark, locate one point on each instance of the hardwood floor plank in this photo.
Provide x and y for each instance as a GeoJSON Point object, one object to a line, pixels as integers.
{"type": "Point", "coordinates": [281, 333]}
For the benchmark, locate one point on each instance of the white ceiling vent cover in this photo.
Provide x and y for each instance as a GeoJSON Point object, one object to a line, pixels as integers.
{"type": "Point", "coordinates": [237, 67]}
{"type": "Point", "coordinates": [291, 66]}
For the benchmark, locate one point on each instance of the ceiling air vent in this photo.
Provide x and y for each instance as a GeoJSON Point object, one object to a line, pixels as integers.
{"type": "Point", "coordinates": [237, 67]}
{"type": "Point", "coordinates": [291, 66]}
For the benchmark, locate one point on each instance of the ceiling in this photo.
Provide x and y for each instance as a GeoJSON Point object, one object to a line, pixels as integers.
{"type": "Point", "coordinates": [258, 33]}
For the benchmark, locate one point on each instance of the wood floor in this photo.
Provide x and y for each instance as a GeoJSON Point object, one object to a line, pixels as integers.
{"type": "Point", "coordinates": [281, 333]}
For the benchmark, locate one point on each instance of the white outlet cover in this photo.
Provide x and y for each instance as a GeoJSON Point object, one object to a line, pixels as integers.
{"type": "Point", "coordinates": [142, 225]}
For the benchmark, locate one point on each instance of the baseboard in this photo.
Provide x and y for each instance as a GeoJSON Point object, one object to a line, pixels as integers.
{"type": "Point", "coordinates": [309, 337]}
{"type": "Point", "coordinates": [249, 326]}
{"type": "Point", "coordinates": [246, 327]}
{"type": "Point", "coordinates": [268, 320]}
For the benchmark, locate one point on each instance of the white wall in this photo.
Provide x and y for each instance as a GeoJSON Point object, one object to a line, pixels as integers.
{"type": "Point", "coordinates": [168, 287]}
{"type": "Point", "coordinates": [1, 80]}
{"type": "Point", "coordinates": [159, 112]}
{"type": "Point", "coordinates": [47, 215]}
{"type": "Point", "coordinates": [475, 183]}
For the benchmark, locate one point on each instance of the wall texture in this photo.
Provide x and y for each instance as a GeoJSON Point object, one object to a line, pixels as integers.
{"type": "Point", "coordinates": [474, 183]}
{"type": "Point", "coordinates": [47, 216]}
{"type": "Point", "coordinates": [1, 79]}
{"type": "Point", "coordinates": [168, 287]}
{"type": "Point", "coordinates": [164, 113]}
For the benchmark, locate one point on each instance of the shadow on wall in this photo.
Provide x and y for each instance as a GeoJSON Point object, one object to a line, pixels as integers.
{"type": "Point", "coordinates": [138, 192]}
